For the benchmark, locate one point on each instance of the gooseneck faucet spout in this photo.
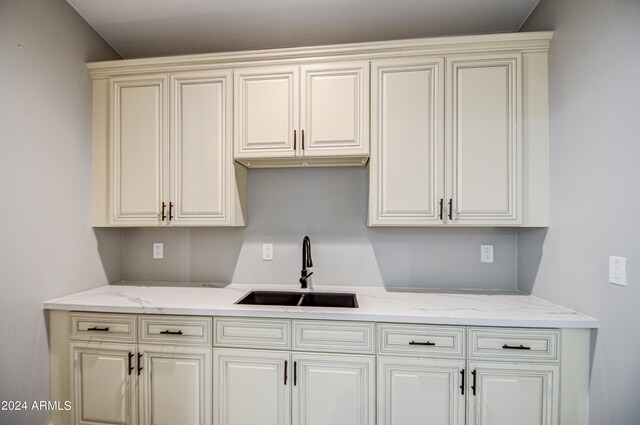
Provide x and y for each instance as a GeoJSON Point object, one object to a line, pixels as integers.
{"type": "Point", "coordinates": [306, 262]}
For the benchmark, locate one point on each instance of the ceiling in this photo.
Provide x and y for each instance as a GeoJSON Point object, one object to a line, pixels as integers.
{"type": "Point", "coordinates": [144, 28]}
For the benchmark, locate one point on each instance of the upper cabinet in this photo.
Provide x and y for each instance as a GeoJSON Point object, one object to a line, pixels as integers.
{"type": "Point", "coordinates": [169, 158]}
{"type": "Point", "coordinates": [459, 140]}
{"type": "Point", "coordinates": [302, 115]}
{"type": "Point", "coordinates": [454, 130]}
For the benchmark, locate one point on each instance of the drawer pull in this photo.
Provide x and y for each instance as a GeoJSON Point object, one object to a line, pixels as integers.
{"type": "Point", "coordinates": [422, 343]}
{"type": "Point", "coordinates": [95, 328]}
{"type": "Point", "coordinates": [168, 332]}
{"type": "Point", "coordinates": [512, 347]}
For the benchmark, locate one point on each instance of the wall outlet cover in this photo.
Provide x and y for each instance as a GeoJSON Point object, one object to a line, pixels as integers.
{"type": "Point", "coordinates": [486, 253]}
{"type": "Point", "coordinates": [158, 250]}
{"type": "Point", "coordinates": [267, 252]}
{"type": "Point", "coordinates": [618, 271]}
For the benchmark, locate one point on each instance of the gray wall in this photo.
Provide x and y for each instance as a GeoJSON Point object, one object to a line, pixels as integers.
{"type": "Point", "coordinates": [595, 198]}
{"type": "Point", "coordinates": [47, 246]}
{"type": "Point", "coordinates": [329, 205]}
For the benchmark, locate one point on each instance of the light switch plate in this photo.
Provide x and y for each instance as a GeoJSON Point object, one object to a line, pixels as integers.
{"type": "Point", "coordinates": [267, 252]}
{"type": "Point", "coordinates": [486, 253]}
{"type": "Point", "coordinates": [158, 251]}
{"type": "Point", "coordinates": [618, 271]}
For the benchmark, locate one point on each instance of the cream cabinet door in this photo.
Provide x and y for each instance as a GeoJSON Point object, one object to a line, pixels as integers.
{"type": "Point", "coordinates": [103, 383]}
{"type": "Point", "coordinates": [333, 389]}
{"type": "Point", "coordinates": [406, 168]}
{"type": "Point", "coordinates": [138, 149]}
{"type": "Point", "coordinates": [201, 148]}
{"type": "Point", "coordinates": [251, 387]}
{"type": "Point", "coordinates": [484, 141]}
{"type": "Point", "coordinates": [335, 109]}
{"type": "Point", "coordinates": [266, 112]}
{"type": "Point", "coordinates": [510, 393]}
{"type": "Point", "coordinates": [415, 391]}
{"type": "Point", "coordinates": [175, 385]}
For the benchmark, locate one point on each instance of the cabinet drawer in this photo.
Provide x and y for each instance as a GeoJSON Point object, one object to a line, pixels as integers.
{"type": "Point", "coordinates": [252, 333]}
{"type": "Point", "coordinates": [102, 327]}
{"type": "Point", "coordinates": [333, 336]}
{"type": "Point", "coordinates": [514, 344]}
{"type": "Point", "coordinates": [175, 330]}
{"type": "Point", "coordinates": [421, 340]}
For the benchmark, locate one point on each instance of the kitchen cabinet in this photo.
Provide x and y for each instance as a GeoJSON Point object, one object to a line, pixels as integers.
{"type": "Point", "coordinates": [138, 383]}
{"type": "Point", "coordinates": [333, 389]}
{"type": "Point", "coordinates": [170, 159]}
{"type": "Point", "coordinates": [252, 387]}
{"type": "Point", "coordinates": [103, 380]}
{"type": "Point", "coordinates": [418, 391]}
{"type": "Point", "coordinates": [447, 142]}
{"type": "Point", "coordinates": [175, 385]}
{"type": "Point", "coordinates": [507, 393]}
{"type": "Point", "coordinates": [314, 114]}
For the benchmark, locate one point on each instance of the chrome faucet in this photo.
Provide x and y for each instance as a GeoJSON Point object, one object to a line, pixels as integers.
{"type": "Point", "coordinates": [306, 262]}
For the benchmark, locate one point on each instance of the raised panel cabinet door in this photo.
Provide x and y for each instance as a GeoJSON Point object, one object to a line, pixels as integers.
{"type": "Point", "coordinates": [138, 149]}
{"type": "Point", "coordinates": [103, 383]}
{"type": "Point", "coordinates": [251, 387]}
{"type": "Point", "coordinates": [335, 109]}
{"type": "Point", "coordinates": [333, 389]}
{"type": "Point", "coordinates": [510, 393]}
{"type": "Point", "coordinates": [415, 391]}
{"type": "Point", "coordinates": [175, 385]}
{"type": "Point", "coordinates": [484, 140]}
{"type": "Point", "coordinates": [406, 169]}
{"type": "Point", "coordinates": [266, 112]}
{"type": "Point", "coordinates": [201, 147]}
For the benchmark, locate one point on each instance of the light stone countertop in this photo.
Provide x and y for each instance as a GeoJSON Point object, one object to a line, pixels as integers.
{"type": "Point", "coordinates": [375, 304]}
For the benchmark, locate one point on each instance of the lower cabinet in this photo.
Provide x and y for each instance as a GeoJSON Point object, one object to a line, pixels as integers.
{"type": "Point", "coordinates": [103, 383]}
{"type": "Point", "coordinates": [509, 393]}
{"type": "Point", "coordinates": [278, 388]}
{"type": "Point", "coordinates": [333, 389]}
{"type": "Point", "coordinates": [420, 391]}
{"type": "Point", "coordinates": [251, 387]}
{"type": "Point", "coordinates": [175, 385]}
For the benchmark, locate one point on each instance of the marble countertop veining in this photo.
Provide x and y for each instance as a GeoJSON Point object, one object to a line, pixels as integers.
{"type": "Point", "coordinates": [375, 304]}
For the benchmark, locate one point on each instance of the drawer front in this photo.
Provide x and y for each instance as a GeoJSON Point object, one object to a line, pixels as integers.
{"type": "Point", "coordinates": [252, 333]}
{"type": "Point", "coordinates": [102, 327]}
{"type": "Point", "coordinates": [421, 340]}
{"type": "Point", "coordinates": [175, 330]}
{"type": "Point", "coordinates": [333, 336]}
{"type": "Point", "coordinates": [514, 344]}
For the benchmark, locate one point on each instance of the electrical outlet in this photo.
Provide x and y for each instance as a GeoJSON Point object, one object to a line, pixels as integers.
{"type": "Point", "coordinates": [158, 250]}
{"type": "Point", "coordinates": [486, 253]}
{"type": "Point", "coordinates": [267, 252]}
{"type": "Point", "coordinates": [618, 271]}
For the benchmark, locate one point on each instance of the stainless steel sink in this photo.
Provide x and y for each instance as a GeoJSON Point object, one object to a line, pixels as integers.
{"type": "Point", "coordinates": [302, 299]}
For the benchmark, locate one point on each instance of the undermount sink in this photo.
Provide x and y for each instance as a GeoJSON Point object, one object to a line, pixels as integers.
{"type": "Point", "coordinates": [302, 299]}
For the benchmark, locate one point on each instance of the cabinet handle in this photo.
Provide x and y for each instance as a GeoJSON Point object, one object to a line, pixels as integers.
{"type": "Point", "coordinates": [450, 209]}
{"type": "Point", "coordinates": [421, 343]}
{"type": "Point", "coordinates": [139, 363]}
{"type": "Point", "coordinates": [441, 208]}
{"type": "Point", "coordinates": [170, 211]}
{"type": "Point", "coordinates": [168, 332]}
{"type": "Point", "coordinates": [164, 216]}
{"type": "Point", "coordinates": [95, 328]}
{"type": "Point", "coordinates": [513, 347]}
{"type": "Point", "coordinates": [295, 373]}
{"type": "Point", "coordinates": [286, 366]}
{"type": "Point", "coordinates": [473, 384]}
{"type": "Point", "coordinates": [130, 363]}
{"type": "Point", "coordinates": [462, 381]}
{"type": "Point", "coordinates": [295, 133]}
{"type": "Point", "coordinates": [302, 139]}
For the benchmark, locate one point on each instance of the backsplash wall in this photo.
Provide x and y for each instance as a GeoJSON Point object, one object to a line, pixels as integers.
{"type": "Point", "coordinates": [330, 206]}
